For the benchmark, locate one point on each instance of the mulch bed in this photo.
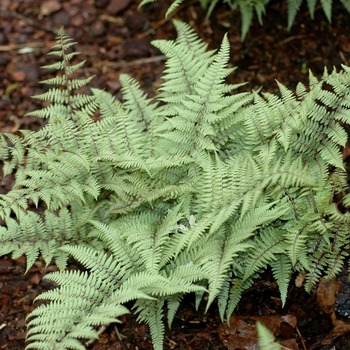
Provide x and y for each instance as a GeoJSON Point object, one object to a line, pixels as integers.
{"type": "Point", "coordinates": [115, 37]}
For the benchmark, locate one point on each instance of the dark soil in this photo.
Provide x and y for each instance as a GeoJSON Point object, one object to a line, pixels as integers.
{"type": "Point", "coordinates": [114, 37]}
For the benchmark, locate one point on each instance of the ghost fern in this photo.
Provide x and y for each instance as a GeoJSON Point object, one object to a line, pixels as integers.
{"type": "Point", "coordinates": [197, 194]}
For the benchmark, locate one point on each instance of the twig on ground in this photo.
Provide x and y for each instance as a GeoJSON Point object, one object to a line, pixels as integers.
{"type": "Point", "coordinates": [301, 338]}
{"type": "Point", "coordinates": [99, 332]}
{"type": "Point", "coordinates": [118, 334]}
{"type": "Point", "coordinates": [11, 47]}
{"type": "Point", "coordinates": [122, 64]}
{"type": "Point", "coordinates": [119, 337]}
{"type": "Point", "coordinates": [343, 58]}
{"type": "Point", "coordinates": [290, 38]}
{"type": "Point", "coordinates": [29, 21]}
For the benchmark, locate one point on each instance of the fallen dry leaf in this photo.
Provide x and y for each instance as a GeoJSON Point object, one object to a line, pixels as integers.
{"type": "Point", "coordinates": [340, 329]}
{"type": "Point", "coordinates": [327, 295]}
{"type": "Point", "coordinates": [299, 281]}
{"type": "Point", "coordinates": [36, 279]}
{"type": "Point", "coordinates": [346, 149]}
{"type": "Point", "coordinates": [242, 332]}
{"type": "Point", "coordinates": [326, 299]}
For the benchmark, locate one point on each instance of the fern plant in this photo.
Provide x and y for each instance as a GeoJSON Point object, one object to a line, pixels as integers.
{"type": "Point", "coordinates": [196, 191]}
{"type": "Point", "coordinates": [248, 7]}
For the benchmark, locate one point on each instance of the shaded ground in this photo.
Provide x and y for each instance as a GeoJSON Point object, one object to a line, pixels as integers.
{"type": "Point", "coordinates": [118, 41]}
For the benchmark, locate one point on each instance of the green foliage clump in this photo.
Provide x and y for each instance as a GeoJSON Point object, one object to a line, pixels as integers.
{"type": "Point", "coordinates": [197, 191]}
{"type": "Point", "coordinates": [248, 7]}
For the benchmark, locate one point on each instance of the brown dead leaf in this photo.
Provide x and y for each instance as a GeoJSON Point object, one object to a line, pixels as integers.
{"type": "Point", "coordinates": [339, 330]}
{"type": "Point", "coordinates": [289, 344]}
{"type": "Point", "coordinates": [327, 295]}
{"type": "Point", "coordinates": [242, 332]}
{"type": "Point", "coordinates": [299, 281]}
{"type": "Point", "coordinates": [326, 298]}
{"type": "Point", "coordinates": [346, 149]}
{"type": "Point", "coordinates": [36, 279]}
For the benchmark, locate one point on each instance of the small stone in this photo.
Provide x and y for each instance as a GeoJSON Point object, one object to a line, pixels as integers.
{"type": "Point", "coordinates": [62, 18]}
{"type": "Point", "coordinates": [116, 6]}
{"type": "Point", "coordinates": [135, 48]}
{"type": "Point", "coordinates": [137, 22]}
{"type": "Point", "coordinates": [5, 58]}
{"type": "Point", "coordinates": [101, 3]}
{"type": "Point", "coordinates": [49, 7]}
{"type": "Point", "coordinates": [77, 20]}
{"type": "Point", "coordinates": [3, 38]}
{"type": "Point", "coordinates": [19, 75]}
{"type": "Point", "coordinates": [25, 71]}
{"type": "Point", "coordinates": [98, 28]}
{"type": "Point", "coordinates": [32, 71]}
